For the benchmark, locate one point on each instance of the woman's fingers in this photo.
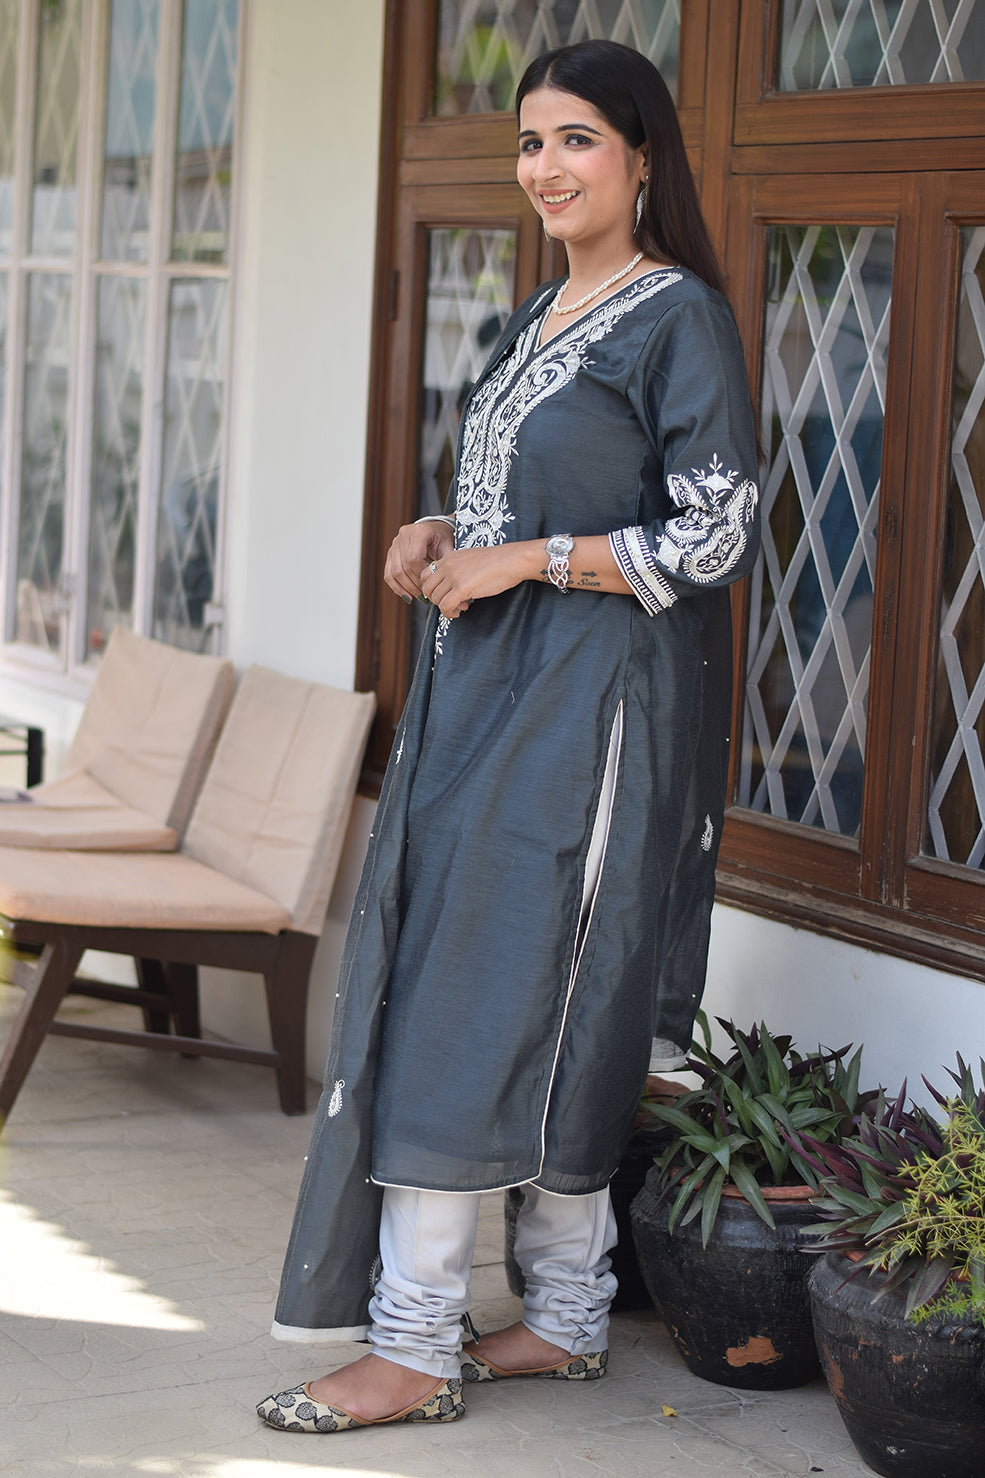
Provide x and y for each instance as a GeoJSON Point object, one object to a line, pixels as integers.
{"type": "Point", "coordinates": [465, 575]}
{"type": "Point", "coordinates": [415, 545]}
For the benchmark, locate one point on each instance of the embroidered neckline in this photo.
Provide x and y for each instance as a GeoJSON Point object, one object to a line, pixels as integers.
{"type": "Point", "coordinates": [544, 314]}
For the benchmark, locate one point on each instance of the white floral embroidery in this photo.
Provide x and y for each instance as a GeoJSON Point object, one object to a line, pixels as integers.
{"type": "Point", "coordinates": [335, 1102]}
{"type": "Point", "coordinates": [709, 539]}
{"type": "Point", "coordinates": [708, 835]}
{"type": "Point", "coordinates": [516, 387]}
{"type": "Point", "coordinates": [702, 546]}
{"type": "Point", "coordinates": [521, 382]}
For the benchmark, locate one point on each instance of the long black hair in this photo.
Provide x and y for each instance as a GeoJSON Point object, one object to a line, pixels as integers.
{"type": "Point", "coordinates": [632, 96]}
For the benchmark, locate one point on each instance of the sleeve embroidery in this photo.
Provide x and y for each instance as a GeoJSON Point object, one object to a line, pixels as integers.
{"type": "Point", "coordinates": [639, 569]}
{"type": "Point", "coordinates": [701, 546]}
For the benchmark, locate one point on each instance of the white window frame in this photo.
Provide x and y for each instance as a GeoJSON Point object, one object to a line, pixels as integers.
{"type": "Point", "coordinates": [71, 668]}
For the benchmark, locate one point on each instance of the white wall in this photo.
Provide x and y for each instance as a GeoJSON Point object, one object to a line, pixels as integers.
{"type": "Point", "coordinates": [910, 1020]}
{"type": "Point", "coordinates": [303, 315]}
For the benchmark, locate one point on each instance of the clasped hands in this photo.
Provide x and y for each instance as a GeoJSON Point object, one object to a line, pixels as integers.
{"type": "Point", "coordinates": [458, 577]}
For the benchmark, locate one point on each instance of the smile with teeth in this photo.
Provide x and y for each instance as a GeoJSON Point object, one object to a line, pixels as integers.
{"type": "Point", "coordinates": [559, 199]}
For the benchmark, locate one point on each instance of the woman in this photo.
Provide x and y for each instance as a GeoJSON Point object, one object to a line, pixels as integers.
{"type": "Point", "coordinates": [535, 902]}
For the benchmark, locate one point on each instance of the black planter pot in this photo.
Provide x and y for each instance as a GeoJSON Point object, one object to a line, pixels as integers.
{"type": "Point", "coordinates": [738, 1310]}
{"type": "Point", "coordinates": [623, 1186]}
{"type": "Point", "coordinates": [911, 1396]}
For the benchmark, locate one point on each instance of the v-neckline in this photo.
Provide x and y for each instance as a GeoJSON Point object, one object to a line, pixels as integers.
{"type": "Point", "coordinates": [544, 317]}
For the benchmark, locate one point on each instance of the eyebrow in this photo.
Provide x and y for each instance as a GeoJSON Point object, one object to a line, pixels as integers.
{"type": "Point", "coordinates": [565, 128]}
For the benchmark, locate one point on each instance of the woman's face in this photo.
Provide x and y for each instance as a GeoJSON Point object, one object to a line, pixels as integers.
{"type": "Point", "coordinates": [579, 172]}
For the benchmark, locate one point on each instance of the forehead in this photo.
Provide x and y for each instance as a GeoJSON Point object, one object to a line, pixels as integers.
{"type": "Point", "coordinates": [548, 108]}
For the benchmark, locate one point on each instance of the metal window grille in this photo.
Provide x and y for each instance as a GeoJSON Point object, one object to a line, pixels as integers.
{"type": "Point", "coordinates": [118, 125]}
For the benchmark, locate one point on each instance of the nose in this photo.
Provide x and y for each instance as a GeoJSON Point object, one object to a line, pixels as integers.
{"type": "Point", "coordinates": [546, 164]}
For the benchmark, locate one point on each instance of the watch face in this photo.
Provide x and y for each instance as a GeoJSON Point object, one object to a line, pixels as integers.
{"type": "Point", "coordinates": [560, 545]}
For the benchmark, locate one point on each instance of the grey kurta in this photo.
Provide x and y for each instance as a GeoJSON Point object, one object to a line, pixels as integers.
{"type": "Point", "coordinates": [495, 1010]}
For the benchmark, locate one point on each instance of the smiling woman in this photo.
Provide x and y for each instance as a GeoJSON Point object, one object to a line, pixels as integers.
{"type": "Point", "coordinates": [535, 904]}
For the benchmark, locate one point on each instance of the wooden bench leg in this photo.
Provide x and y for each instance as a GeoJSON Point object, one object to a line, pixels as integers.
{"type": "Point", "coordinates": [151, 976]}
{"type": "Point", "coordinates": [182, 987]}
{"type": "Point", "coordinates": [46, 986]}
{"type": "Point", "coordinates": [287, 1005]}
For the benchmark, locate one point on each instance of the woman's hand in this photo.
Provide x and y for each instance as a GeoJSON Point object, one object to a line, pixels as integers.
{"type": "Point", "coordinates": [416, 546]}
{"type": "Point", "coordinates": [465, 575]}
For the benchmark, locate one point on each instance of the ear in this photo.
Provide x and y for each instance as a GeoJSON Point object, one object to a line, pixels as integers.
{"type": "Point", "coordinates": [644, 157]}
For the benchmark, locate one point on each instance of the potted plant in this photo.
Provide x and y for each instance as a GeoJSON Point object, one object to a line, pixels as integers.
{"type": "Point", "coordinates": [899, 1299]}
{"type": "Point", "coordinates": [720, 1222]}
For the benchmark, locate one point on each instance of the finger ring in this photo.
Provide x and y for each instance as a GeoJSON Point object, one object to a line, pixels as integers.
{"type": "Point", "coordinates": [433, 569]}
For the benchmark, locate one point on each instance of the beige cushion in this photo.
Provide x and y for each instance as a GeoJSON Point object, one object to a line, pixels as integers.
{"type": "Point", "coordinates": [150, 724]}
{"type": "Point", "coordinates": [75, 812]}
{"type": "Point", "coordinates": [276, 801]}
{"type": "Point", "coordinates": [147, 890]}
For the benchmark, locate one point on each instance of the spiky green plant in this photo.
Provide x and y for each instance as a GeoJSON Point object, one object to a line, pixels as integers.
{"type": "Point", "coordinates": [905, 1196]}
{"type": "Point", "coordinates": [731, 1128]}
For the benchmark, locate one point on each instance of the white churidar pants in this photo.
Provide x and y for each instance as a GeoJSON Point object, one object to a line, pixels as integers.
{"type": "Point", "coordinates": [427, 1241]}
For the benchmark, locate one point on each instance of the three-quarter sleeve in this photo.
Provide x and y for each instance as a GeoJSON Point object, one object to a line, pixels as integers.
{"type": "Point", "coordinates": [699, 502]}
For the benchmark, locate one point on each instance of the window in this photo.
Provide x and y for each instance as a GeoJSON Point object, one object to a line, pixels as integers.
{"type": "Point", "coordinates": [117, 155]}
{"type": "Point", "coordinates": [840, 154]}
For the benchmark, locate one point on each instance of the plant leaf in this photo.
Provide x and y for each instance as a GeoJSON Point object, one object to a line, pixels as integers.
{"type": "Point", "coordinates": [709, 1211]}
{"type": "Point", "coordinates": [746, 1182]}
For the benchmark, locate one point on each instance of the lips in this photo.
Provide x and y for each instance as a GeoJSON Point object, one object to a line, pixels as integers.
{"type": "Point", "coordinates": [557, 200]}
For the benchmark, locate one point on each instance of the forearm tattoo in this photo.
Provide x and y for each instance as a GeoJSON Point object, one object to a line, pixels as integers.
{"type": "Point", "coordinates": [587, 580]}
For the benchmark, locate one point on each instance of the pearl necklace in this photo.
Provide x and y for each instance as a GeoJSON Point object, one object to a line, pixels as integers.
{"type": "Point", "coordinates": [616, 276]}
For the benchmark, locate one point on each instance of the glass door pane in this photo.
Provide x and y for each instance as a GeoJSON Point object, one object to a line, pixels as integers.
{"type": "Point", "coordinates": [841, 43]}
{"type": "Point", "coordinates": [56, 129]}
{"type": "Point", "coordinates": [485, 46]}
{"type": "Point", "coordinates": [41, 533]}
{"type": "Point", "coordinates": [9, 11]}
{"type": "Point", "coordinates": [186, 554]}
{"type": "Point", "coordinates": [207, 115]}
{"type": "Point", "coordinates": [115, 457]}
{"type": "Point", "coordinates": [956, 814]}
{"type": "Point", "coordinates": [469, 299]}
{"type": "Point", "coordinates": [826, 335]}
{"type": "Point", "coordinates": [129, 140]}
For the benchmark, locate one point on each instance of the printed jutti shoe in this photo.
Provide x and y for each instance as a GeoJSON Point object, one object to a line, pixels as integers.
{"type": "Point", "coordinates": [572, 1367]}
{"type": "Point", "coordinates": [297, 1411]}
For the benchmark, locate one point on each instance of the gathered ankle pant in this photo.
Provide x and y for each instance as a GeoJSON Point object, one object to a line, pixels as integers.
{"type": "Point", "coordinates": [427, 1240]}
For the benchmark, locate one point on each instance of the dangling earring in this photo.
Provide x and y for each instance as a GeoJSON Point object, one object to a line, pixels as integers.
{"type": "Point", "coordinates": [640, 201]}
{"type": "Point", "coordinates": [547, 234]}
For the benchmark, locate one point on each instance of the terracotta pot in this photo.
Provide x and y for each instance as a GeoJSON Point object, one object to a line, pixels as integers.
{"type": "Point", "coordinates": [912, 1396]}
{"type": "Point", "coordinates": [738, 1310]}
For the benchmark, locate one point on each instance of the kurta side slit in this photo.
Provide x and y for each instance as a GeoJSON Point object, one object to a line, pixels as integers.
{"type": "Point", "coordinates": [503, 977]}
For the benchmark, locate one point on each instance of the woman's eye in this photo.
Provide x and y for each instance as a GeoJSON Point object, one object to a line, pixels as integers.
{"type": "Point", "coordinates": [529, 145]}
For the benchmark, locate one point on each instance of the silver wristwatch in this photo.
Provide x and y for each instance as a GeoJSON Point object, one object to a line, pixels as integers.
{"type": "Point", "coordinates": [557, 549]}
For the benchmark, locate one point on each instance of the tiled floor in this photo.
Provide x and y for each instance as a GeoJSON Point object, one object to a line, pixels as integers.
{"type": "Point", "coordinates": [144, 1207]}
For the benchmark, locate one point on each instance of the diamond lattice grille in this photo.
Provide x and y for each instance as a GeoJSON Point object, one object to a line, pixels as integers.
{"type": "Point", "coordinates": [865, 43]}
{"type": "Point", "coordinates": [186, 558]}
{"type": "Point", "coordinates": [205, 131]}
{"type": "Point", "coordinates": [42, 493]}
{"type": "Point", "coordinates": [129, 130]}
{"type": "Point", "coordinates": [824, 375]}
{"type": "Point", "coordinates": [470, 297]}
{"type": "Point", "coordinates": [56, 128]}
{"type": "Point", "coordinates": [115, 457]}
{"type": "Point", "coordinates": [9, 11]}
{"type": "Point", "coordinates": [956, 811]}
{"type": "Point", "coordinates": [485, 46]}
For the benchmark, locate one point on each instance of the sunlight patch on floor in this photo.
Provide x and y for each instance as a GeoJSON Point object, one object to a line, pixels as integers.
{"type": "Point", "coordinates": [45, 1274]}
